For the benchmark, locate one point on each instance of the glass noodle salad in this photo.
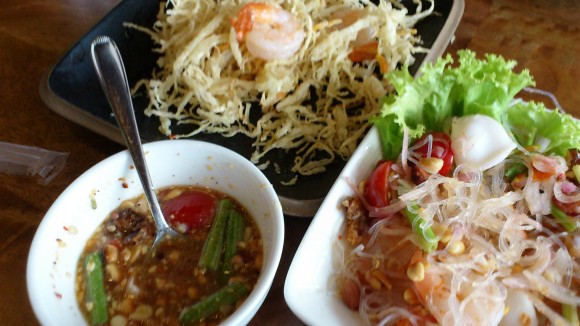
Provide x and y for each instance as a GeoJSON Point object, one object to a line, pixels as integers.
{"type": "Point", "coordinates": [472, 217]}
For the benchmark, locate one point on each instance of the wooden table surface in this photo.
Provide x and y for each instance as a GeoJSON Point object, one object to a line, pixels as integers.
{"type": "Point", "coordinates": [542, 35]}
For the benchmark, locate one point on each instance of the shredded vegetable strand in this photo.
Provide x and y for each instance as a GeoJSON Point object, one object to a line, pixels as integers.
{"type": "Point", "coordinates": [206, 77]}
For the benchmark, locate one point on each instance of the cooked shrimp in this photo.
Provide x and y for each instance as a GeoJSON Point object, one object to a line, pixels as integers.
{"type": "Point", "coordinates": [433, 295]}
{"type": "Point", "coordinates": [365, 46]}
{"type": "Point", "coordinates": [348, 17]}
{"type": "Point", "coordinates": [269, 31]}
{"type": "Point", "coordinates": [479, 308]}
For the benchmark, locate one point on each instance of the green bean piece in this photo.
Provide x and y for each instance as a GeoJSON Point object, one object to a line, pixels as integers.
{"type": "Point", "coordinates": [563, 219]}
{"type": "Point", "coordinates": [211, 252]}
{"type": "Point", "coordinates": [234, 234]}
{"type": "Point", "coordinates": [95, 289]}
{"type": "Point", "coordinates": [570, 313]}
{"type": "Point", "coordinates": [427, 238]}
{"type": "Point", "coordinates": [515, 170]}
{"type": "Point", "coordinates": [228, 295]}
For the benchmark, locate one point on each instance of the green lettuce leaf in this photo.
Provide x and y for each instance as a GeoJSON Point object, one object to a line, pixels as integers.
{"type": "Point", "coordinates": [441, 91]}
{"type": "Point", "coordinates": [529, 121]}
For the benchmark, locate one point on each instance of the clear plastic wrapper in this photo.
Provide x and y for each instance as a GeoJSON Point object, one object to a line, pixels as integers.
{"type": "Point", "coordinates": [32, 161]}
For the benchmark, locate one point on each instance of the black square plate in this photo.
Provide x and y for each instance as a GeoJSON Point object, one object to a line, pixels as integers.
{"type": "Point", "coordinates": [72, 90]}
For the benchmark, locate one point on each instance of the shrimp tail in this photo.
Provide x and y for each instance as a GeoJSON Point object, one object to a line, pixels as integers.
{"type": "Point", "coordinates": [243, 23]}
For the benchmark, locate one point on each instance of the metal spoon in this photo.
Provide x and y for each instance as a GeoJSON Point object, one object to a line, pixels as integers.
{"type": "Point", "coordinates": [111, 73]}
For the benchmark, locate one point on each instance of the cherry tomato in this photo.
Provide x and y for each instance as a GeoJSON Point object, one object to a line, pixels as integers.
{"type": "Point", "coordinates": [377, 187]}
{"type": "Point", "coordinates": [193, 208]}
{"type": "Point", "coordinates": [441, 149]}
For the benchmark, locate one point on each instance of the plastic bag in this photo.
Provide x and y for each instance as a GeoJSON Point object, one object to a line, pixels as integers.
{"type": "Point", "coordinates": [26, 160]}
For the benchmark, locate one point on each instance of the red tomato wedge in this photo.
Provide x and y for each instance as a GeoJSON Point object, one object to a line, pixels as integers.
{"type": "Point", "coordinates": [441, 149]}
{"type": "Point", "coordinates": [377, 187]}
{"type": "Point", "coordinates": [194, 208]}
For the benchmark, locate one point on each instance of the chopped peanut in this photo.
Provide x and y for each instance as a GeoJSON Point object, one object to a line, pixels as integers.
{"type": "Point", "coordinates": [525, 320]}
{"type": "Point", "coordinates": [417, 256]}
{"type": "Point", "coordinates": [142, 312]}
{"type": "Point", "coordinates": [382, 278]}
{"type": "Point", "coordinates": [113, 272]}
{"type": "Point", "coordinates": [393, 264]}
{"type": "Point", "coordinates": [111, 253]}
{"type": "Point", "coordinates": [431, 164]}
{"type": "Point", "coordinates": [118, 320]}
{"type": "Point", "coordinates": [372, 281]}
{"type": "Point", "coordinates": [173, 193]}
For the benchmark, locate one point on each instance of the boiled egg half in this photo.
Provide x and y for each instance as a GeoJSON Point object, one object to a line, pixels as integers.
{"type": "Point", "coordinates": [479, 142]}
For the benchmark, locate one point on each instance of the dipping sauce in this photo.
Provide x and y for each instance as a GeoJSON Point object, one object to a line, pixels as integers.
{"type": "Point", "coordinates": [199, 278]}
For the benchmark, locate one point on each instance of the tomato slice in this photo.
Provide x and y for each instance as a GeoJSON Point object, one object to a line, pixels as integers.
{"type": "Point", "coordinates": [377, 187]}
{"type": "Point", "coordinates": [441, 149]}
{"type": "Point", "coordinates": [193, 209]}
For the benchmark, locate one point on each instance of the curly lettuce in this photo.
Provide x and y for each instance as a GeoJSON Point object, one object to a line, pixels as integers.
{"type": "Point", "coordinates": [529, 121]}
{"type": "Point", "coordinates": [473, 86]}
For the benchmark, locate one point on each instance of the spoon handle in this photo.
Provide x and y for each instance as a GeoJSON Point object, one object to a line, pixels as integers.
{"type": "Point", "coordinates": [111, 73]}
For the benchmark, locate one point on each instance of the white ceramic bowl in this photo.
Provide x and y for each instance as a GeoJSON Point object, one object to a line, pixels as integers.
{"type": "Point", "coordinates": [71, 220]}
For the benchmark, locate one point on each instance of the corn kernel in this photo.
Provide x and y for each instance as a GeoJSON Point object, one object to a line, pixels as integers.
{"type": "Point", "coordinates": [416, 272]}
{"type": "Point", "coordinates": [456, 247]}
{"type": "Point", "coordinates": [550, 276]}
{"type": "Point", "coordinates": [410, 297]}
{"type": "Point", "coordinates": [443, 232]}
{"type": "Point", "coordinates": [485, 265]}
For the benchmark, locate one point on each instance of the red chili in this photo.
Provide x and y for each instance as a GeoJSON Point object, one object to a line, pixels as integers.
{"type": "Point", "coordinates": [377, 187]}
